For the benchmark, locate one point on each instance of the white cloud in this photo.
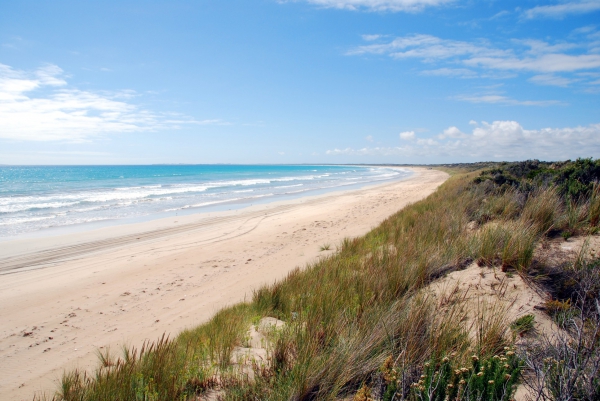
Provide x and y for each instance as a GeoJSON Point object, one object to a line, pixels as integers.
{"type": "Point", "coordinates": [370, 38]}
{"type": "Point", "coordinates": [369, 138]}
{"type": "Point", "coordinates": [407, 135]}
{"type": "Point", "coordinates": [499, 99]}
{"type": "Point", "coordinates": [541, 63]}
{"type": "Point", "coordinates": [551, 80]}
{"type": "Point", "coordinates": [379, 5]}
{"type": "Point", "coordinates": [481, 59]}
{"type": "Point", "coordinates": [451, 72]}
{"type": "Point", "coordinates": [426, 47]}
{"type": "Point", "coordinates": [40, 106]}
{"type": "Point", "coordinates": [499, 140]}
{"type": "Point", "coordinates": [452, 132]}
{"type": "Point", "coordinates": [540, 47]}
{"type": "Point", "coordinates": [538, 56]}
{"type": "Point", "coordinates": [559, 11]}
{"type": "Point", "coordinates": [364, 151]}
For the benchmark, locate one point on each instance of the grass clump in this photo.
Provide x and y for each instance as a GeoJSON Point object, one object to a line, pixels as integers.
{"type": "Point", "coordinates": [325, 247]}
{"type": "Point", "coordinates": [523, 325]}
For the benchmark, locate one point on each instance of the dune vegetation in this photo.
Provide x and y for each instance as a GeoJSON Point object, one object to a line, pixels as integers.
{"type": "Point", "coordinates": [359, 325]}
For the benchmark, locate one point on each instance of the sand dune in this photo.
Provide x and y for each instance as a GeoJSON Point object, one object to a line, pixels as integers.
{"type": "Point", "coordinates": [62, 298]}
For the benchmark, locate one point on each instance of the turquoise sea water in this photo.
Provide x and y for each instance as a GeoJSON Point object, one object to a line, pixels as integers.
{"type": "Point", "coordinates": [34, 198]}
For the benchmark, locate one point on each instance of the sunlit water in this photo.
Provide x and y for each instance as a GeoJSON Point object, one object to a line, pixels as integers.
{"type": "Point", "coordinates": [35, 198]}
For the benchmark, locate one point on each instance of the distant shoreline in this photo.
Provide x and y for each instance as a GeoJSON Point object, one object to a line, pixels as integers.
{"type": "Point", "coordinates": [82, 198]}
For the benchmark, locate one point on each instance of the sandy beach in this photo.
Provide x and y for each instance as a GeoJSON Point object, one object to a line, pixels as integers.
{"type": "Point", "coordinates": [63, 298]}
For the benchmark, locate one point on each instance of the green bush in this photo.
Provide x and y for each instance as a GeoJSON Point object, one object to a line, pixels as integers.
{"type": "Point", "coordinates": [493, 379]}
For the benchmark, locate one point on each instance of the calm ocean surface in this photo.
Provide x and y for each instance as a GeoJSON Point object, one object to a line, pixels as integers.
{"type": "Point", "coordinates": [37, 198]}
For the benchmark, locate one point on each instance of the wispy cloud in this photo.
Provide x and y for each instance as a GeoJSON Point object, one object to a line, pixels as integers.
{"type": "Point", "coordinates": [552, 80]}
{"type": "Point", "coordinates": [377, 5]}
{"type": "Point", "coordinates": [370, 38]}
{"type": "Point", "coordinates": [551, 62]}
{"type": "Point", "coordinates": [562, 10]}
{"type": "Point", "coordinates": [451, 72]}
{"type": "Point", "coordinates": [547, 63]}
{"type": "Point", "coordinates": [499, 99]}
{"type": "Point", "coordinates": [40, 106]}
{"type": "Point", "coordinates": [537, 56]}
{"type": "Point", "coordinates": [499, 140]}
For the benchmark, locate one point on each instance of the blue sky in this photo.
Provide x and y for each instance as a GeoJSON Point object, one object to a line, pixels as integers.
{"type": "Point", "coordinates": [306, 81]}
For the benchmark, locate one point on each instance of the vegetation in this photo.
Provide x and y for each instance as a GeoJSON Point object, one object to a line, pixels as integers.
{"type": "Point", "coordinates": [492, 379]}
{"type": "Point", "coordinates": [359, 323]}
{"type": "Point", "coordinates": [523, 325]}
{"type": "Point", "coordinates": [566, 366]}
{"type": "Point", "coordinates": [574, 179]}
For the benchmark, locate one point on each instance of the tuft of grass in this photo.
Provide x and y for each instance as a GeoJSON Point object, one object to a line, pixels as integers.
{"type": "Point", "coordinates": [325, 247]}
{"type": "Point", "coordinates": [523, 325]}
{"type": "Point", "coordinates": [543, 209]}
{"type": "Point", "coordinates": [594, 207]}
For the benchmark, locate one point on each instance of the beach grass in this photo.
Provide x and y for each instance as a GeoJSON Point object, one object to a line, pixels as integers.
{"type": "Point", "coordinates": [362, 311]}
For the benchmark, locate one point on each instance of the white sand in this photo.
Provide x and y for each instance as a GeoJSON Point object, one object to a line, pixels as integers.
{"type": "Point", "coordinates": [122, 285]}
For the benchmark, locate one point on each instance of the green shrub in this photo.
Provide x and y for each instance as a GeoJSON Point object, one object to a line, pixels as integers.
{"type": "Point", "coordinates": [493, 379]}
{"type": "Point", "coordinates": [577, 179]}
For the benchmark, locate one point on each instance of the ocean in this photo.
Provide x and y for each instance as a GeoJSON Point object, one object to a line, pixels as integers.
{"type": "Point", "coordinates": [35, 199]}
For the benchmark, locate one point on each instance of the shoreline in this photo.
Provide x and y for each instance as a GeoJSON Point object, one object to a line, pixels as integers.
{"type": "Point", "coordinates": [114, 293]}
{"type": "Point", "coordinates": [37, 249]}
{"type": "Point", "coordinates": [221, 206]}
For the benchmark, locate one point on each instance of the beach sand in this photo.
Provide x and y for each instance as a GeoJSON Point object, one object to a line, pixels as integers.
{"type": "Point", "coordinates": [62, 298]}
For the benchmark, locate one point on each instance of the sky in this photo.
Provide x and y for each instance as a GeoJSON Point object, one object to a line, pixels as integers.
{"type": "Point", "coordinates": [298, 81]}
